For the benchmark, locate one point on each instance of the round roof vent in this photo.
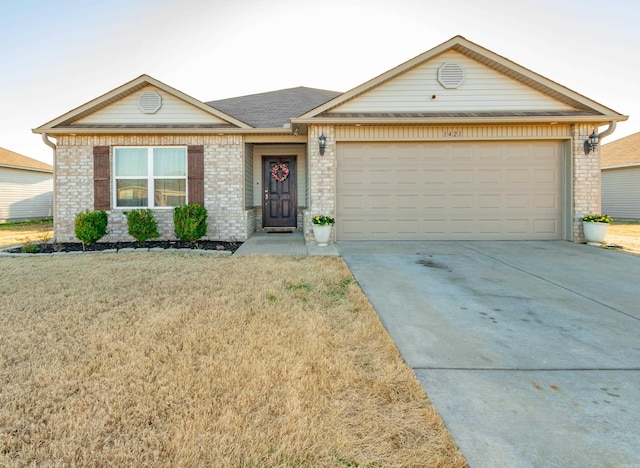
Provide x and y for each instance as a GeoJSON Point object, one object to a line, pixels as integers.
{"type": "Point", "coordinates": [450, 75]}
{"type": "Point", "coordinates": [149, 101]}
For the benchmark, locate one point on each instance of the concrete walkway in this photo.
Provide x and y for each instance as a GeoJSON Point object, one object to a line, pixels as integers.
{"type": "Point", "coordinates": [530, 351]}
{"type": "Point", "coordinates": [262, 243]}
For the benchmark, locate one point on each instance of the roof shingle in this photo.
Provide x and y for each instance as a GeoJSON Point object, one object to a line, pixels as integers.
{"type": "Point", "coordinates": [621, 152]}
{"type": "Point", "coordinates": [11, 159]}
{"type": "Point", "coordinates": [273, 109]}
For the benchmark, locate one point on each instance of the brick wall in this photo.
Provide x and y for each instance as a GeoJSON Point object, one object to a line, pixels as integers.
{"type": "Point", "coordinates": [224, 189]}
{"type": "Point", "coordinates": [322, 178]}
{"type": "Point", "coordinates": [586, 180]}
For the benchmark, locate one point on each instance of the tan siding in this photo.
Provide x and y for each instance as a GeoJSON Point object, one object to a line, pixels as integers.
{"type": "Point", "coordinates": [621, 192]}
{"type": "Point", "coordinates": [484, 89]}
{"type": "Point", "coordinates": [173, 111]}
{"type": "Point", "coordinates": [25, 195]}
{"type": "Point", "coordinates": [452, 133]}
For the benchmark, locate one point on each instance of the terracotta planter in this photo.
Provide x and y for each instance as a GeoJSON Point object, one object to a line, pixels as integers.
{"type": "Point", "coordinates": [594, 233]}
{"type": "Point", "coordinates": [322, 234]}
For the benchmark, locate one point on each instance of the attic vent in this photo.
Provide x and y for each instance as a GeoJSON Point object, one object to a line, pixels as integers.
{"type": "Point", "coordinates": [450, 75]}
{"type": "Point", "coordinates": [149, 102]}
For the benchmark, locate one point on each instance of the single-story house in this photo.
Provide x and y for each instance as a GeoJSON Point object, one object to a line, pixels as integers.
{"type": "Point", "coordinates": [26, 188]}
{"type": "Point", "coordinates": [456, 143]}
{"type": "Point", "coordinates": [621, 177]}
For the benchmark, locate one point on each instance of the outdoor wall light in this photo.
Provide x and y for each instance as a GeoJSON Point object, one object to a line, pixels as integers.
{"type": "Point", "coordinates": [322, 143]}
{"type": "Point", "coordinates": [591, 144]}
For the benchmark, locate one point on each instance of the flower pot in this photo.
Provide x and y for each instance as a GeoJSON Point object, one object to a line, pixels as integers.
{"type": "Point", "coordinates": [322, 234]}
{"type": "Point", "coordinates": [594, 233]}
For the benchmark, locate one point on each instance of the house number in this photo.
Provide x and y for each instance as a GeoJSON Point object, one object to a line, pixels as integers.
{"type": "Point", "coordinates": [452, 134]}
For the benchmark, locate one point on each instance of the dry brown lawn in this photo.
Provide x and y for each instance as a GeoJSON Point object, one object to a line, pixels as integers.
{"type": "Point", "coordinates": [625, 234]}
{"type": "Point", "coordinates": [168, 359]}
{"type": "Point", "coordinates": [20, 233]}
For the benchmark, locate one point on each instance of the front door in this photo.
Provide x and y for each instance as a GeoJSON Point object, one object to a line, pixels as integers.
{"type": "Point", "coordinates": [279, 203]}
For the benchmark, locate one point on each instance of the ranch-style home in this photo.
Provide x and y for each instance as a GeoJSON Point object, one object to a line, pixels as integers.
{"type": "Point", "coordinates": [456, 143]}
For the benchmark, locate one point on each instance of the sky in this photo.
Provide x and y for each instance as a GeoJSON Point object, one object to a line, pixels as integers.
{"type": "Point", "coordinates": [56, 55]}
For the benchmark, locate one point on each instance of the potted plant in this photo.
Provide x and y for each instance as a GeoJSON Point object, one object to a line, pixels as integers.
{"type": "Point", "coordinates": [322, 228]}
{"type": "Point", "coordinates": [595, 228]}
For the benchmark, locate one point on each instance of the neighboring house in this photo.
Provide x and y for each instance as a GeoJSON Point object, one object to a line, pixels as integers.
{"type": "Point", "coordinates": [26, 188]}
{"type": "Point", "coordinates": [456, 143]}
{"type": "Point", "coordinates": [621, 177]}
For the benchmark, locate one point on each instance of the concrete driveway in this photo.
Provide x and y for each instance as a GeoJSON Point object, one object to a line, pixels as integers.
{"type": "Point", "coordinates": [530, 351]}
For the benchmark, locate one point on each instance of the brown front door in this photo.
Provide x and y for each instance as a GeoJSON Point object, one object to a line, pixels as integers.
{"type": "Point", "coordinates": [279, 203]}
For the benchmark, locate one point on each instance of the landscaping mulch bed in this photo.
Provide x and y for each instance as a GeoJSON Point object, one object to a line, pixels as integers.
{"type": "Point", "coordinates": [101, 246]}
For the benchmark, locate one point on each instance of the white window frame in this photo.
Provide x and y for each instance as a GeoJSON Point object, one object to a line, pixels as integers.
{"type": "Point", "coordinates": [149, 178]}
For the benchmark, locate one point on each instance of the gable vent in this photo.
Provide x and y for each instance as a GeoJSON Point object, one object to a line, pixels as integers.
{"type": "Point", "coordinates": [450, 75]}
{"type": "Point", "coordinates": [149, 102]}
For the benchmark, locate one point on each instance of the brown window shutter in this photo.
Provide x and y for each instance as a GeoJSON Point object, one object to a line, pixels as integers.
{"type": "Point", "coordinates": [195, 156]}
{"type": "Point", "coordinates": [101, 176]}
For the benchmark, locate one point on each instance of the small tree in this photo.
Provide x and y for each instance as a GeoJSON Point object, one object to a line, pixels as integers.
{"type": "Point", "coordinates": [190, 222]}
{"type": "Point", "coordinates": [142, 225]}
{"type": "Point", "coordinates": [91, 226]}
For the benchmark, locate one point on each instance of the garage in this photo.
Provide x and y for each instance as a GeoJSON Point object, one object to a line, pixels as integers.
{"type": "Point", "coordinates": [472, 190]}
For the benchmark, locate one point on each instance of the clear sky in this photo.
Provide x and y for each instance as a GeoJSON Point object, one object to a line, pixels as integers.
{"type": "Point", "coordinates": [56, 55]}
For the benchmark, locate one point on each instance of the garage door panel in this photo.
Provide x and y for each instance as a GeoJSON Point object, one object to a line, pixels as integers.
{"type": "Point", "coordinates": [490, 176]}
{"type": "Point", "coordinates": [461, 176]}
{"type": "Point", "coordinates": [379, 202]}
{"type": "Point", "coordinates": [545, 176]}
{"type": "Point", "coordinates": [433, 176]}
{"type": "Point", "coordinates": [517, 176]}
{"type": "Point", "coordinates": [490, 201]}
{"type": "Point", "coordinates": [472, 190]}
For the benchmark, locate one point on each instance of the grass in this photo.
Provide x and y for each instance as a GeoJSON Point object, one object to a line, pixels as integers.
{"type": "Point", "coordinates": [179, 360]}
{"type": "Point", "coordinates": [34, 232]}
{"type": "Point", "coordinates": [626, 234]}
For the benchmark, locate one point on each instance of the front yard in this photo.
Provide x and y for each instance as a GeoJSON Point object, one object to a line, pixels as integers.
{"type": "Point", "coordinates": [165, 359]}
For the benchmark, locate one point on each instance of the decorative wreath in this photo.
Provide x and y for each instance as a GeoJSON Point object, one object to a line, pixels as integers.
{"type": "Point", "coordinates": [276, 169]}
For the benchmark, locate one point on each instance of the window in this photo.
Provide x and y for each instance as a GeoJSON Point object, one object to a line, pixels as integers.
{"type": "Point", "coordinates": [150, 177]}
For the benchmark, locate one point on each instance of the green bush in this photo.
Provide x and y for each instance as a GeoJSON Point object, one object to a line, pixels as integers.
{"type": "Point", "coordinates": [142, 225]}
{"type": "Point", "coordinates": [190, 222]}
{"type": "Point", "coordinates": [91, 226]}
{"type": "Point", "coordinates": [29, 248]}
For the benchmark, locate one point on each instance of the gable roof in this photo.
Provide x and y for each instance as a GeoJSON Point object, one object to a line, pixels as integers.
{"type": "Point", "coordinates": [622, 152]}
{"type": "Point", "coordinates": [585, 109]}
{"type": "Point", "coordinates": [18, 161]}
{"type": "Point", "coordinates": [276, 108]}
{"type": "Point", "coordinates": [64, 123]}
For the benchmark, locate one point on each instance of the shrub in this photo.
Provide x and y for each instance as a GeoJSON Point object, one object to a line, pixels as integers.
{"type": "Point", "coordinates": [28, 247]}
{"type": "Point", "coordinates": [91, 226]}
{"type": "Point", "coordinates": [190, 222]}
{"type": "Point", "coordinates": [142, 225]}
{"type": "Point", "coordinates": [598, 218]}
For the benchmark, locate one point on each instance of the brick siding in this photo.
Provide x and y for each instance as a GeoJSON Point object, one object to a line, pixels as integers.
{"type": "Point", "coordinates": [224, 185]}
{"type": "Point", "coordinates": [322, 179]}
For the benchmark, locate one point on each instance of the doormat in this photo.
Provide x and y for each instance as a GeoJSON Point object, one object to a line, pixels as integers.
{"type": "Point", "coordinates": [273, 231]}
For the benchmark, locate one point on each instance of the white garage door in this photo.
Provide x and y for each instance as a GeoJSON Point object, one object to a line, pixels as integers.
{"type": "Point", "coordinates": [465, 190]}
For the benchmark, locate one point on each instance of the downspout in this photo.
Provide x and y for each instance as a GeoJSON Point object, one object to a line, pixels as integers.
{"type": "Point", "coordinates": [608, 131]}
{"type": "Point", "coordinates": [52, 145]}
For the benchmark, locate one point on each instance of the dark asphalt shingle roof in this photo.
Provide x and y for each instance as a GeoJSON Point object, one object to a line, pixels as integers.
{"type": "Point", "coordinates": [273, 109]}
